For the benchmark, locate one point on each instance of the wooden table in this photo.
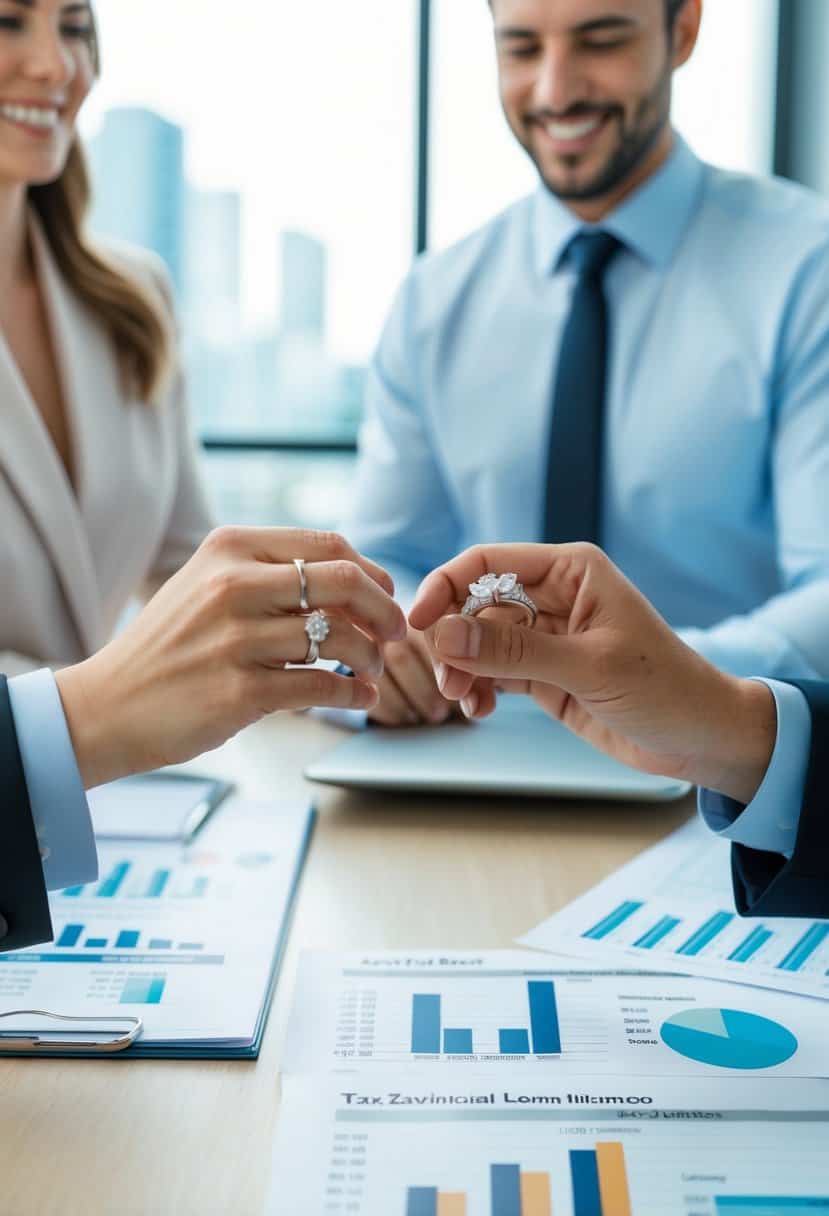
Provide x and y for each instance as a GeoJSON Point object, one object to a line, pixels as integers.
{"type": "Point", "coordinates": [148, 1138]}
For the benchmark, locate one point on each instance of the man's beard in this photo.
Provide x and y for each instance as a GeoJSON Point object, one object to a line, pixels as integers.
{"type": "Point", "coordinates": [637, 142]}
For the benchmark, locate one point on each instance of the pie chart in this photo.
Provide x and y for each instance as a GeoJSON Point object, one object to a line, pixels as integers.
{"type": "Point", "coordinates": [728, 1038]}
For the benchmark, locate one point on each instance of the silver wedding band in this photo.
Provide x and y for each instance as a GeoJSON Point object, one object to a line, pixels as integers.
{"type": "Point", "coordinates": [303, 585]}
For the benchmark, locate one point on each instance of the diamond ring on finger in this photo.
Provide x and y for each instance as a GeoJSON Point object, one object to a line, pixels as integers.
{"type": "Point", "coordinates": [317, 628]}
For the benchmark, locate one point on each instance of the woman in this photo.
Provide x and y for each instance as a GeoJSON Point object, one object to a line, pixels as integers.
{"type": "Point", "coordinates": [99, 491]}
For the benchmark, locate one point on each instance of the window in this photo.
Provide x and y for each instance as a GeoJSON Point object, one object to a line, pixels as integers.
{"type": "Point", "coordinates": [265, 151]}
{"type": "Point", "coordinates": [268, 153]}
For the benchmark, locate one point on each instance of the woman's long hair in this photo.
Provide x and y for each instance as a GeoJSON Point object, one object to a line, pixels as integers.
{"type": "Point", "coordinates": [139, 326]}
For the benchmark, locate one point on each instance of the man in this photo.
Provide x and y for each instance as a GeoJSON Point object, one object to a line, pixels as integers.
{"type": "Point", "coordinates": [206, 657]}
{"type": "Point", "coordinates": [636, 355]}
{"type": "Point", "coordinates": [604, 663]}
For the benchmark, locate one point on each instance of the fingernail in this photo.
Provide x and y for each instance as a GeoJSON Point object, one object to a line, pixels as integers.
{"type": "Point", "coordinates": [441, 674]}
{"type": "Point", "coordinates": [469, 705]}
{"type": "Point", "coordinates": [459, 637]}
{"type": "Point", "coordinates": [439, 714]}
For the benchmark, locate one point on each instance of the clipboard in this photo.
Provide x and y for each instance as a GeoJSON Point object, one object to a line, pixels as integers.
{"type": "Point", "coordinates": [161, 806]}
{"type": "Point", "coordinates": [108, 1032]}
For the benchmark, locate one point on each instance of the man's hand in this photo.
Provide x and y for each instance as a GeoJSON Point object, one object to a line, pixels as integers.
{"type": "Point", "coordinates": [409, 692]}
{"type": "Point", "coordinates": [602, 661]}
{"type": "Point", "coordinates": [209, 653]}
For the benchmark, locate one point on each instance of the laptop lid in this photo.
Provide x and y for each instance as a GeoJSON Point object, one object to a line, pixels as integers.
{"type": "Point", "coordinates": [519, 750]}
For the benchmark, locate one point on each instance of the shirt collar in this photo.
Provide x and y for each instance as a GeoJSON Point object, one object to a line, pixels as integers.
{"type": "Point", "coordinates": [650, 222]}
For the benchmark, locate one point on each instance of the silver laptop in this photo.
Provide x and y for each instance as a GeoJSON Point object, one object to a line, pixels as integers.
{"type": "Point", "coordinates": [519, 750]}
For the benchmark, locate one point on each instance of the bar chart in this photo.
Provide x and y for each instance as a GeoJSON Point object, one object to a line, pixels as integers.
{"type": "Point", "coordinates": [532, 1151]}
{"type": "Point", "coordinates": [127, 880]}
{"type": "Point", "coordinates": [543, 1037]}
{"type": "Point", "coordinates": [74, 936]}
{"type": "Point", "coordinates": [673, 907]}
{"type": "Point", "coordinates": [497, 1015]}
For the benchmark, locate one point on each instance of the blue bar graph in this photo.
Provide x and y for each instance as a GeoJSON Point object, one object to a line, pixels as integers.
{"type": "Point", "coordinates": [127, 939]}
{"type": "Point", "coordinates": [770, 1205]}
{"type": "Point", "coordinates": [70, 935]}
{"type": "Point", "coordinates": [746, 950]}
{"type": "Point", "coordinates": [422, 1201]}
{"type": "Point", "coordinates": [506, 1190]}
{"type": "Point", "coordinates": [157, 884]}
{"type": "Point", "coordinates": [72, 892]}
{"type": "Point", "coordinates": [109, 887]}
{"type": "Point", "coordinates": [457, 1042]}
{"type": "Point", "coordinates": [514, 1042]}
{"type": "Point", "coordinates": [191, 946]}
{"type": "Point", "coordinates": [706, 933]}
{"type": "Point", "coordinates": [544, 1017]}
{"type": "Point", "coordinates": [802, 951]}
{"type": "Point", "coordinates": [657, 932]}
{"type": "Point", "coordinates": [425, 1024]}
{"type": "Point", "coordinates": [614, 920]}
{"type": "Point", "coordinates": [160, 943]}
{"type": "Point", "coordinates": [142, 992]}
{"type": "Point", "coordinates": [96, 943]}
{"type": "Point", "coordinates": [584, 1171]}
{"type": "Point", "coordinates": [199, 888]}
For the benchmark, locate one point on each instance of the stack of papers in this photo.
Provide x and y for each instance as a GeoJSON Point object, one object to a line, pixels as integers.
{"type": "Point", "coordinates": [615, 1075]}
{"type": "Point", "coordinates": [188, 938]}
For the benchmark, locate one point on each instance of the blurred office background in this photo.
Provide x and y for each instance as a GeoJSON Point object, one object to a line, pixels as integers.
{"type": "Point", "coordinates": [288, 160]}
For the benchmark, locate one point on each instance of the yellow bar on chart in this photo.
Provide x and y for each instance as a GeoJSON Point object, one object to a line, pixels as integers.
{"type": "Point", "coordinates": [451, 1205]}
{"type": "Point", "coordinates": [613, 1179]}
{"type": "Point", "coordinates": [536, 1199]}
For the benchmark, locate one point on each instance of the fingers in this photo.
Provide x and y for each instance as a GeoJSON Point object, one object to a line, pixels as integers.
{"type": "Point", "coordinates": [504, 651]}
{"type": "Point", "coordinates": [250, 589]}
{"type": "Point", "coordinates": [346, 588]}
{"type": "Point", "coordinates": [283, 639]}
{"type": "Point", "coordinates": [282, 545]}
{"type": "Point", "coordinates": [295, 689]}
{"type": "Point", "coordinates": [410, 667]}
{"type": "Point", "coordinates": [448, 586]}
{"type": "Point", "coordinates": [480, 701]}
{"type": "Point", "coordinates": [392, 708]}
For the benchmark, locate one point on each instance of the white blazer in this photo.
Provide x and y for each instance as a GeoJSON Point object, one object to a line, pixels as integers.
{"type": "Point", "coordinates": [70, 562]}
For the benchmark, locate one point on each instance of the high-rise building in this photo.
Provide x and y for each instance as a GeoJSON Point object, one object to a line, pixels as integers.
{"type": "Point", "coordinates": [138, 171]}
{"type": "Point", "coordinates": [213, 241]}
{"type": "Point", "coordinates": [304, 273]}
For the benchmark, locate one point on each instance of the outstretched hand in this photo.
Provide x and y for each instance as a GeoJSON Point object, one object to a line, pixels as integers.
{"type": "Point", "coordinates": [602, 661]}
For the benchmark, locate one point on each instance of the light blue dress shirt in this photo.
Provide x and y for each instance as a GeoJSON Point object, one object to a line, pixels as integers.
{"type": "Point", "coordinates": [771, 819]}
{"type": "Point", "coordinates": [56, 794]}
{"type": "Point", "coordinates": [716, 469]}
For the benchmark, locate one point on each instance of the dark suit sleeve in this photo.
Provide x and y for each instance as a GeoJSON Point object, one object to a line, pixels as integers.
{"type": "Point", "coordinates": [24, 906]}
{"type": "Point", "coordinates": [766, 884]}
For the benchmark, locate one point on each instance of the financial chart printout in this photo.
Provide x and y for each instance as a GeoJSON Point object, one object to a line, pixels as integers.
{"type": "Point", "coordinates": [509, 1012]}
{"type": "Point", "coordinates": [672, 908]}
{"type": "Point", "coordinates": [184, 937]}
{"type": "Point", "coordinates": [396, 1145]}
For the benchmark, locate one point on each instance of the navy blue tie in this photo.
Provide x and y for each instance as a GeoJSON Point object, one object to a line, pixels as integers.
{"type": "Point", "coordinates": [573, 501]}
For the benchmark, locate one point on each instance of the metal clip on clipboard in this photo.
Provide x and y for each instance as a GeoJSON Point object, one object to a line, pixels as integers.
{"type": "Point", "coordinates": [80, 1039]}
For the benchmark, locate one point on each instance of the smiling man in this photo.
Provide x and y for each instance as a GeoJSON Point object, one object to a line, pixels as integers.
{"type": "Point", "coordinates": [636, 355]}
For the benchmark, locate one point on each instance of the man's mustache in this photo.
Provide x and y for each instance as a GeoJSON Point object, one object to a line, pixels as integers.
{"type": "Point", "coordinates": [577, 110]}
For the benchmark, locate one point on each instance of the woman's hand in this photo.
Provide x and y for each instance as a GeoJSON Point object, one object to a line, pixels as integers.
{"type": "Point", "coordinates": [602, 661]}
{"type": "Point", "coordinates": [208, 654]}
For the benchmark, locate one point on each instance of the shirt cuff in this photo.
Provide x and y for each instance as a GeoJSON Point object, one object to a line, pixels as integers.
{"type": "Point", "coordinates": [770, 821]}
{"type": "Point", "coordinates": [56, 794]}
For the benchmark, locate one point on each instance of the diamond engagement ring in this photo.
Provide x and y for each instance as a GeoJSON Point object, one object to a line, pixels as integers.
{"type": "Point", "coordinates": [303, 585]}
{"type": "Point", "coordinates": [317, 629]}
{"type": "Point", "coordinates": [494, 589]}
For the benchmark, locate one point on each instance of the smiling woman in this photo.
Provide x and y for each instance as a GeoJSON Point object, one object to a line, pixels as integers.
{"type": "Point", "coordinates": [101, 494]}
